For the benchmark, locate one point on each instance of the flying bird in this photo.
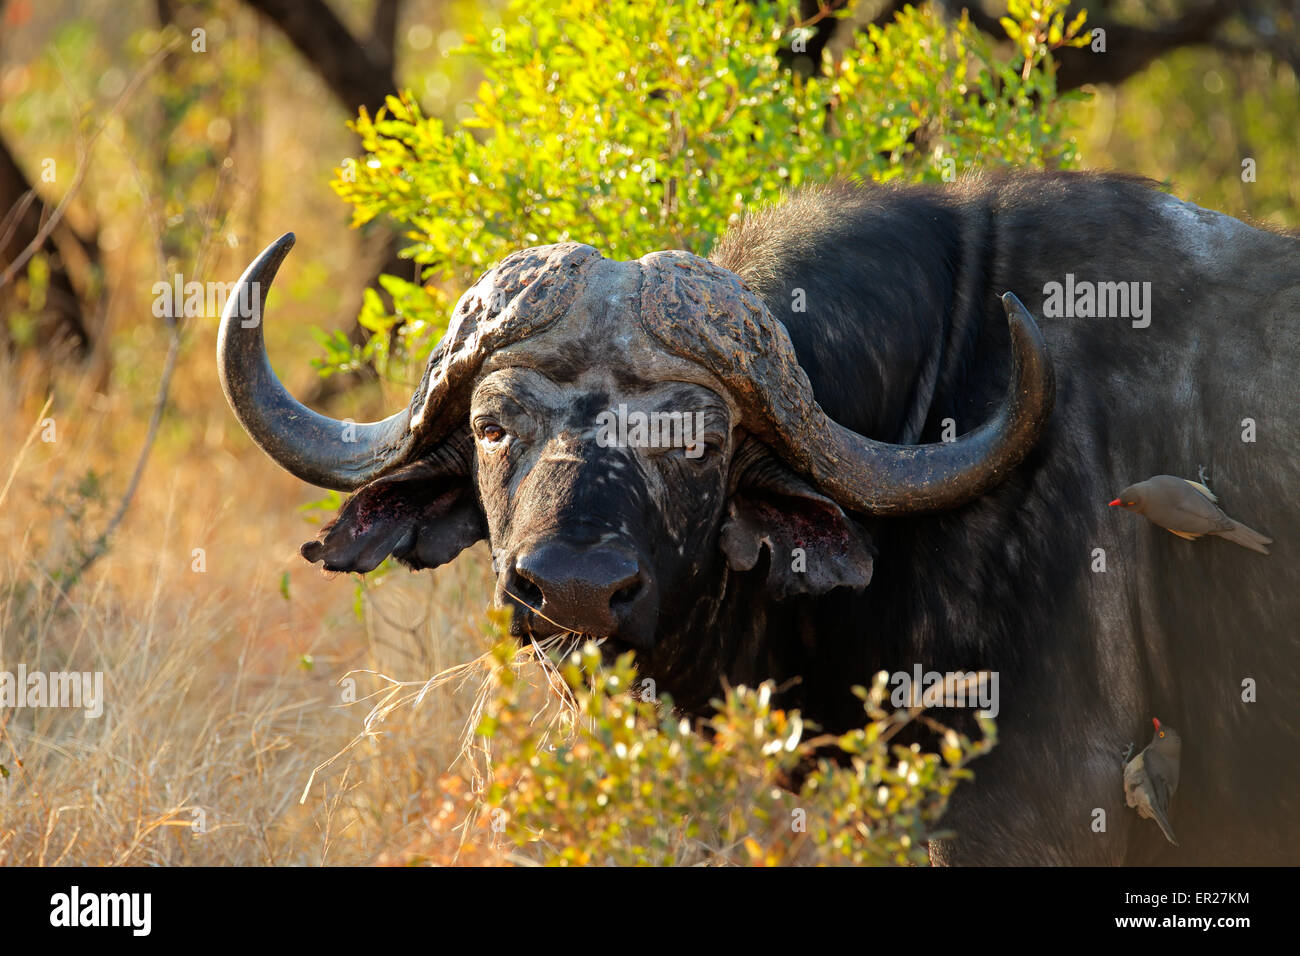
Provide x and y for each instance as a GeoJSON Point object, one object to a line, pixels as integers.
{"type": "Point", "coordinates": [1151, 777]}
{"type": "Point", "coordinates": [1188, 509]}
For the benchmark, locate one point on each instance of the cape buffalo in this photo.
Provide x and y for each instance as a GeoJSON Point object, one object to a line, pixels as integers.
{"type": "Point", "coordinates": [883, 463]}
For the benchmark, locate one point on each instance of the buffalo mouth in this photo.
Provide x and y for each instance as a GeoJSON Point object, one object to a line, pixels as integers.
{"type": "Point", "coordinates": [528, 627]}
{"type": "Point", "coordinates": [559, 642]}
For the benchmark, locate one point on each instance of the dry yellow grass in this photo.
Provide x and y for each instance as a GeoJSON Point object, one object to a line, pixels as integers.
{"type": "Point", "coordinates": [221, 693]}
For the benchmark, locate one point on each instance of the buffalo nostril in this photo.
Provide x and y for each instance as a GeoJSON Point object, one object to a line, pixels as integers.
{"type": "Point", "coordinates": [590, 589]}
{"type": "Point", "coordinates": [627, 593]}
{"type": "Point", "coordinates": [526, 591]}
{"type": "Point", "coordinates": [526, 583]}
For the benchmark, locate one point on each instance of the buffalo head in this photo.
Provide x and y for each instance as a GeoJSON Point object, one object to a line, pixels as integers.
{"type": "Point", "coordinates": [626, 435]}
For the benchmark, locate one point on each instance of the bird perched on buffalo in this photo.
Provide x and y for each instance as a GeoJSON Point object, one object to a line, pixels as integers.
{"type": "Point", "coordinates": [1151, 777]}
{"type": "Point", "coordinates": [1188, 509]}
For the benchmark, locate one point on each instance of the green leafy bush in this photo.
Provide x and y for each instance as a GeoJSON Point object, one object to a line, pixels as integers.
{"type": "Point", "coordinates": [645, 126]}
{"type": "Point", "coordinates": [629, 782]}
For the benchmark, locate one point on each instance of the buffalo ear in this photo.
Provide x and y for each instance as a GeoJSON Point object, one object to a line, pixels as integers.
{"type": "Point", "coordinates": [423, 514]}
{"type": "Point", "coordinates": [812, 545]}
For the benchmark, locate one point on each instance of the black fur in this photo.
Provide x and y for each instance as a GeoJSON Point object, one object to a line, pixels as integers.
{"type": "Point", "coordinates": [902, 330]}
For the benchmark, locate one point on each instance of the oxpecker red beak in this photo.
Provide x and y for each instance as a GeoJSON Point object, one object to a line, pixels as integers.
{"type": "Point", "coordinates": [1114, 503]}
{"type": "Point", "coordinates": [1156, 721]}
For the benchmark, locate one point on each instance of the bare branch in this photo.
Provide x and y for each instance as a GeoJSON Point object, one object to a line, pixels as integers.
{"type": "Point", "coordinates": [353, 75]}
{"type": "Point", "coordinates": [1129, 49]}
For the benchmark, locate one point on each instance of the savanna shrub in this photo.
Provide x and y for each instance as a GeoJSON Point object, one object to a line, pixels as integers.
{"type": "Point", "coordinates": [622, 779]}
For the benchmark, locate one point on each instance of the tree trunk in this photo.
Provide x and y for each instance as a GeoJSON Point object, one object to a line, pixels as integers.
{"type": "Point", "coordinates": [65, 319]}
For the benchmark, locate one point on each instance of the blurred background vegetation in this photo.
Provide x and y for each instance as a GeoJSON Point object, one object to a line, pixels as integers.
{"type": "Point", "coordinates": [141, 531]}
{"type": "Point", "coordinates": [239, 124]}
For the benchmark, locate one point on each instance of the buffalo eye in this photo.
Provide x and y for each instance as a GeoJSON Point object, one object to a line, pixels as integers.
{"type": "Point", "coordinates": [491, 433]}
{"type": "Point", "coordinates": [697, 451]}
